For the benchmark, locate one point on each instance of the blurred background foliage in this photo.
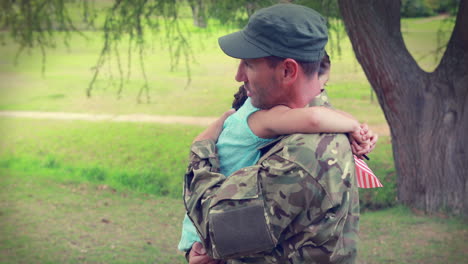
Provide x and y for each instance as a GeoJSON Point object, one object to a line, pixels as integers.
{"type": "Point", "coordinates": [42, 23]}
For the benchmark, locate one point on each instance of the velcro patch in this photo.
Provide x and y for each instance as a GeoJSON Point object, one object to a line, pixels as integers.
{"type": "Point", "coordinates": [240, 231]}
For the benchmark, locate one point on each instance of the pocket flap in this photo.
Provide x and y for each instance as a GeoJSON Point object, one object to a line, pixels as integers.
{"type": "Point", "coordinates": [239, 186]}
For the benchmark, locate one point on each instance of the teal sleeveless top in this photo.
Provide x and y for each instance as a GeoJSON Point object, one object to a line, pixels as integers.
{"type": "Point", "coordinates": [237, 145]}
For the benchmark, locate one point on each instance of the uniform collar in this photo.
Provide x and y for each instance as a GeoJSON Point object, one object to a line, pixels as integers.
{"type": "Point", "coordinates": [320, 100]}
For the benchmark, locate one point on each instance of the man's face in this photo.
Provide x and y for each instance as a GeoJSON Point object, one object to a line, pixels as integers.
{"type": "Point", "coordinates": [260, 81]}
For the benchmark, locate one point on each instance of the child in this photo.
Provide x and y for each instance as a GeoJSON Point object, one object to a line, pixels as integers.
{"type": "Point", "coordinates": [249, 128]}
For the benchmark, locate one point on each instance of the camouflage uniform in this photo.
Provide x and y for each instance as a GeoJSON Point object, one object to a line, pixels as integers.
{"type": "Point", "coordinates": [298, 204]}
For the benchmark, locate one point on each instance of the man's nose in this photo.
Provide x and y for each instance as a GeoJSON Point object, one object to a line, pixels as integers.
{"type": "Point", "coordinates": [241, 76]}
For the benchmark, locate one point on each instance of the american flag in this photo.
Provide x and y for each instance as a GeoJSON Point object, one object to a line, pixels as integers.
{"type": "Point", "coordinates": [365, 176]}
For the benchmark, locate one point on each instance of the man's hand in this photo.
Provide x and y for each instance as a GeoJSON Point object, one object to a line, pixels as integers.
{"type": "Point", "coordinates": [213, 131]}
{"type": "Point", "coordinates": [198, 255]}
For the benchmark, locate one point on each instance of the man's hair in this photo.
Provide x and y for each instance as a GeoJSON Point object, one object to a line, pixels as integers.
{"type": "Point", "coordinates": [309, 68]}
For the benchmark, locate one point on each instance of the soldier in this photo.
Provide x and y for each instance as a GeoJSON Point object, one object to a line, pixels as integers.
{"type": "Point", "coordinates": [300, 203]}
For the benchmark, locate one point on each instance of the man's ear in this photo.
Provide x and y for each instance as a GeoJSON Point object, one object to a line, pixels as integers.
{"type": "Point", "coordinates": [290, 70]}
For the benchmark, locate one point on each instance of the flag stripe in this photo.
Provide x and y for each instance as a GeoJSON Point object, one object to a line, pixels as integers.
{"type": "Point", "coordinates": [363, 165]}
{"type": "Point", "coordinates": [366, 179]}
{"type": "Point", "coordinates": [365, 176]}
{"type": "Point", "coordinates": [364, 169]}
{"type": "Point", "coordinates": [360, 180]}
{"type": "Point", "coordinates": [376, 184]}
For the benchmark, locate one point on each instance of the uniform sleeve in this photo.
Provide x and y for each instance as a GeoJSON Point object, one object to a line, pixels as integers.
{"type": "Point", "coordinates": [229, 213]}
{"type": "Point", "coordinates": [314, 205]}
{"type": "Point", "coordinates": [296, 197]}
{"type": "Point", "coordinates": [245, 214]}
{"type": "Point", "coordinates": [201, 180]}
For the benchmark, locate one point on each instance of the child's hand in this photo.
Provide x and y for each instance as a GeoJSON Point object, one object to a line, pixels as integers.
{"type": "Point", "coordinates": [363, 140]}
{"type": "Point", "coordinates": [360, 135]}
{"type": "Point", "coordinates": [373, 137]}
{"type": "Point", "coordinates": [359, 149]}
{"type": "Point", "coordinates": [213, 131]}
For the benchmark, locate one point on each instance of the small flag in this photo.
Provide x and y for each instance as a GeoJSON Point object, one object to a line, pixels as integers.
{"type": "Point", "coordinates": [365, 176]}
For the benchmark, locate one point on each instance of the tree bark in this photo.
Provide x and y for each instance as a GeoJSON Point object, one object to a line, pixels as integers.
{"type": "Point", "coordinates": [427, 112]}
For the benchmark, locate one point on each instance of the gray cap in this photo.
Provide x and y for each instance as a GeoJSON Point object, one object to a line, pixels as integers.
{"type": "Point", "coordinates": [282, 30]}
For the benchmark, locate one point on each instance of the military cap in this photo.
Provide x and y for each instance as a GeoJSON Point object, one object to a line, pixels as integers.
{"type": "Point", "coordinates": [282, 30]}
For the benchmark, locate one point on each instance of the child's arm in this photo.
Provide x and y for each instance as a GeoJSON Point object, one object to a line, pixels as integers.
{"type": "Point", "coordinates": [212, 132]}
{"type": "Point", "coordinates": [281, 120]}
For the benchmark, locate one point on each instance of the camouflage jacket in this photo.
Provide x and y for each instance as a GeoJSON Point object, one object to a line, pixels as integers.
{"type": "Point", "coordinates": [298, 204]}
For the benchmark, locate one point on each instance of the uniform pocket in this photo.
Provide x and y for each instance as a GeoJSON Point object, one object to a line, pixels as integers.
{"type": "Point", "coordinates": [238, 226]}
{"type": "Point", "coordinates": [239, 186]}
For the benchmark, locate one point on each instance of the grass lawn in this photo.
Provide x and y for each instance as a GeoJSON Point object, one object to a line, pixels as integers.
{"type": "Point", "coordinates": [143, 157]}
{"type": "Point", "coordinates": [45, 219]}
{"type": "Point", "coordinates": [148, 158]}
{"type": "Point", "coordinates": [49, 220]}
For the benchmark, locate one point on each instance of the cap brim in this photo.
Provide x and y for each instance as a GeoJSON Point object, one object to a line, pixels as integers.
{"type": "Point", "coordinates": [235, 45]}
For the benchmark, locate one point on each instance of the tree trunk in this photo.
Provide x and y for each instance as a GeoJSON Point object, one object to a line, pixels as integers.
{"type": "Point", "coordinates": [427, 112]}
{"type": "Point", "coordinates": [198, 13]}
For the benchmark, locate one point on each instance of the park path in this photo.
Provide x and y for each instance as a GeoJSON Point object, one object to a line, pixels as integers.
{"type": "Point", "coordinates": [382, 130]}
{"type": "Point", "coordinates": [186, 120]}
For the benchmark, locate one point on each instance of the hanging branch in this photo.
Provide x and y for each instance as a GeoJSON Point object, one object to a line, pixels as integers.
{"type": "Point", "coordinates": [129, 57]}
{"type": "Point", "coordinates": [441, 39]}
{"type": "Point", "coordinates": [145, 86]}
{"type": "Point", "coordinates": [132, 19]}
{"type": "Point", "coordinates": [105, 49]}
{"type": "Point", "coordinates": [36, 24]}
{"type": "Point", "coordinates": [108, 28]}
{"type": "Point", "coordinates": [441, 35]}
{"type": "Point", "coordinates": [176, 35]}
{"type": "Point", "coordinates": [119, 66]}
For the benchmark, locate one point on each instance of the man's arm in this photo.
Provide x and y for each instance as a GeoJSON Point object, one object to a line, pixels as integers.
{"type": "Point", "coordinates": [201, 181]}
{"type": "Point", "coordinates": [316, 200]}
{"type": "Point", "coordinates": [247, 214]}
{"type": "Point", "coordinates": [271, 203]}
{"type": "Point", "coordinates": [190, 242]}
{"type": "Point", "coordinates": [228, 213]}
{"type": "Point", "coordinates": [213, 201]}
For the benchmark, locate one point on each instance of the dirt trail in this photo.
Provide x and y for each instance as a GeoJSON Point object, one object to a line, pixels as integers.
{"type": "Point", "coordinates": [186, 120]}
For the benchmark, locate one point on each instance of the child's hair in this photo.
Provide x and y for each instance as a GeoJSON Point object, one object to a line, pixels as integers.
{"type": "Point", "coordinates": [324, 64]}
{"type": "Point", "coordinates": [241, 95]}
{"type": "Point", "coordinates": [239, 98]}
